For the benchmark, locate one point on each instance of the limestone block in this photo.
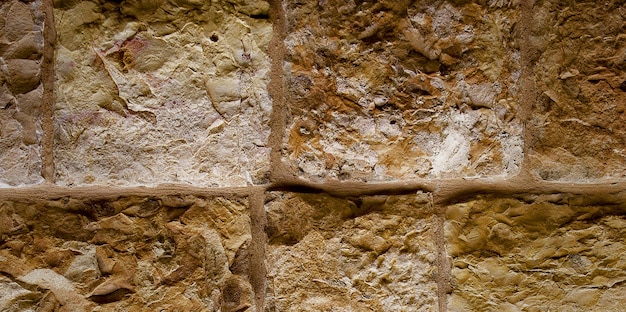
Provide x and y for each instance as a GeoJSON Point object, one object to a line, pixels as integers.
{"type": "Point", "coordinates": [21, 47]}
{"type": "Point", "coordinates": [389, 90]}
{"type": "Point", "coordinates": [153, 92]}
{"type": "Point", "coordinates": [579, 120]}
{"type": "Point", "coordinates": [369, 254]}
{"type": "Point", "coordinates": [546, 254]}
{"type": "Point", "coordinates": [170, 253]}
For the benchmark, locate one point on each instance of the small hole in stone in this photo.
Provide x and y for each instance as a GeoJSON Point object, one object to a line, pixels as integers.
{"type": "Point", "coordinates": [214, 38]}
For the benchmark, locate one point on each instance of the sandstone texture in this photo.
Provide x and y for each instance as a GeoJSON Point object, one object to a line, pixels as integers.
{"type": "Point", "coordinates": [388, 90]}
{"type": "Point", "coordinates": [21, 48]}
{"type": "Point", "coordinates": [152, 92]}
{"type": "Point", "coordinates": [170, 253]}
{"type": "Point", "coordinates": [393, 155]}
{"type": "Point", "coordinates": [551, 253]}
{"type": "Point", "coordinates": [579, 120]}
{"type": "Point", "coordinates": [372, 254]}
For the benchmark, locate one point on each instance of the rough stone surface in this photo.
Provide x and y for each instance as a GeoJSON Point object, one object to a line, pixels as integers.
{"type": "Point", "coordinates": [428, 95]}
{"type": "Point", "coordinates": [580, 122]}
{"type": "Point", "coordinates": [21, 47]}
{"type": "Point", "coordinates": [396, 89]}
{"type": "Point", "coordinates": [555, 253]}
{"type": "Point", "coordinates": [152, 92]}
{"type": "Point", "coordinates": [170, 253]}
{"type": "Point", "coordinates": [328, 254]}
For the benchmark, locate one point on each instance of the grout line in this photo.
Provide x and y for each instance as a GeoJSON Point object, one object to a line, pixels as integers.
{"type": "Point", "coordinates": [446, 191]}
{"type": "Point", "coordinates": [257, 270]}
{"type": "Point", "coordinates": [527, 87]}
{"type": "Point", "coordinates": [443, 266]}
{"type": "Point", "coordinates": [277, 52]}
{"type": "Point", "coordinates": [52, 192]}
{"type": "Point", "coordinates": [523, 185]}
{"type": "Point", "coordinates": [353, 188]}
{"type": "Point", "coordinates": [48, 79]}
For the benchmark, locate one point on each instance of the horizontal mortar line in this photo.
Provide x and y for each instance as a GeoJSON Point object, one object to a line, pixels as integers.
{"type": "Point", "coordinates": [352, 188]}
{"type": "Point", "coordinates": [449, 189]}
{"type": "Point", "coordinates": [48, 191]}
{"type": "Point", "coordinates": [445, 191]}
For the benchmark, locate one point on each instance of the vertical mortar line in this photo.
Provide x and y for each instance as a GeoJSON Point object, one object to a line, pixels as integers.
{"type": "Point", "coordinates": [257, 269]}
{"type": "Point", "coordinates": [48, 79]}
{"type": "Point", "coordinates": [443, 267]}
{"type": "Point", "coordinates": [277, 52]}
{"type": "Point", "coordinates": [527, 87]}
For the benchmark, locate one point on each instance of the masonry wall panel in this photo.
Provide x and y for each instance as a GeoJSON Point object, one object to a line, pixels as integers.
{"type": "Point", "coordinates": [248, 156]}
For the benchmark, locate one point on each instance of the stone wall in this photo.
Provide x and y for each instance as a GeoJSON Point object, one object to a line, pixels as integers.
{"type": "Point", "coordinates": [244, 155]}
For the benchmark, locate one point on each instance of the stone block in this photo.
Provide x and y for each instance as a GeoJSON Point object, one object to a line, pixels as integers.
{"type": "Point", "coordinates": [375, 253]}
{"type": "Point", "coordinates": [579, 122]}
{"type": "Point", "coordinates": [152, 92]}
{"type": "Point", "coordinates": [171, 253]}
{"type": "Point", "coordinates": [393, 90]}
{"type": "Point", "coordinates": [551, 253]}
{"type": "Point", "coordinates": [21, 48]}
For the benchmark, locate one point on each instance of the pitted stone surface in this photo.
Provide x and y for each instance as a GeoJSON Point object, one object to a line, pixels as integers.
{"type": "Point", "coordinates": [397, 90]}
{"type": "Point", "coordinates": [373, 254]}
{"type": "Point", "coordinates": [556, 253]}
{"type": "Point", "coordinates": [172, 253]}
{"type": "Point", "coordinates": [21, 46]}
{"type": "Point", "coordinates": [157, 92]}
{"type": "Point", "coordinates": [579, 121]}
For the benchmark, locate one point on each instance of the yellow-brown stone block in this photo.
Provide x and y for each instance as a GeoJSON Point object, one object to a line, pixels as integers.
{"type": "Point", "coordinates": [375, 253]}
{"type": "Point", "coordinates": [550, 253]}
{"type": "Point", "coordinates": [579, 122]}
{"type": "Point", "coordinates": [392, 90]}
{"type": "Point", "coordinates": [168, 253]}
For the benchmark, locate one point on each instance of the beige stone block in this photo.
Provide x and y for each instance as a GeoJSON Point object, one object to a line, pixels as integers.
{"type": "Point", "coordinates": [397, 90]}
{"type": "Point", "coordinates": [545, 254]}
{"type": "Point", "coordinates": [174, 253]}
{"type": "Point", "coordinates": [579, 132]}
{"type": "Point", "coordinates": [375, 253]}
{"type": "Point", "coordinates": [152, 92]}
{"type": "Point", "coordinates": [21, 44]}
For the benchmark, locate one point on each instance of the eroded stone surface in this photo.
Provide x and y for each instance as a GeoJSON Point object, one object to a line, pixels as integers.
{"type": "Point", "coordinates": [557, 253]}
{"type": "Point", "coordinates": [373, 254]}
{"type": "Point", "coordinates": [580, 123]}
{"type": "Point", "coordinates": [21, 47]}
{"type": "Point", "coordinates": [398, 89]}
{"type": "Point", "coordinates": [170, 253]}
{"type": "Point", "coordinates": [153, 92]}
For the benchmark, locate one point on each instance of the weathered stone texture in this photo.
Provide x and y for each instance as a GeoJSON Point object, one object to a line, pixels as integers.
{"type": "Point", "coordinates": [153, 92]}
{"type": "Point", "coordinates": [556, 253]}
{"type": "Point", "coordinates": [373, 254]}
{"type": "Point", "coordinates": [167, 253]}
{"type": "Point", "coordinates": [21, 47]}
{"type": "Point", "coordinates": [580, 123]}
{"type": "Point", "coordinates": [389, 90]}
